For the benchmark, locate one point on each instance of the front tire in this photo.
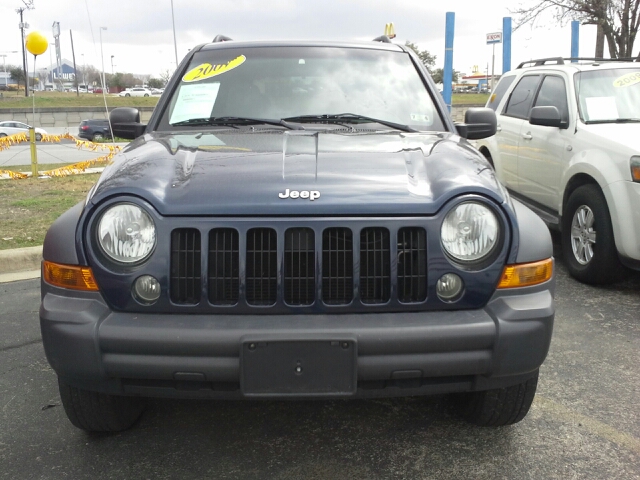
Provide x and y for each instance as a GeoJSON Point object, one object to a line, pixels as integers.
{"type": "Point", "coordinates": [588, 244]}
{"type": "Point", "coordinates": [99, 412]}
{"type": "Point", "coordinates": [127, 95]}
{"type": "Point", "coordinates": [38, 137]}
{"type": "Point", "coordinates": [498, 407]}
{"type": "Point", "coordinates": [97, 137]}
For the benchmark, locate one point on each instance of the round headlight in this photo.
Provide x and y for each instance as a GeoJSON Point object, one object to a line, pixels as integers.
{"type": "Point", "coordinates": [126, 233]}
{"type": "Point", "coordinates": [470, 232]}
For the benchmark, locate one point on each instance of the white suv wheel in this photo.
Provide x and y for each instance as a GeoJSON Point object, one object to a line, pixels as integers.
{"type": "Point", "coordinates": [583, 235]}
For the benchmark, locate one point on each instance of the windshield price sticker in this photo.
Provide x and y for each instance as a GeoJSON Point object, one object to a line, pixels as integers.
{"type": "Point", "coordinates": [206, 70]}
{"type": "Point", "coordinates": [627, 80]}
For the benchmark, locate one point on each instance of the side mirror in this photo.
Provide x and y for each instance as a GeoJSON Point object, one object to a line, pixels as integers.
{"type": "Point", "coordinates": [125, 122]}
{"type": "Point", "coordinates": [546, 116]}
{"type": "Point", "coordinates": [478, 123]}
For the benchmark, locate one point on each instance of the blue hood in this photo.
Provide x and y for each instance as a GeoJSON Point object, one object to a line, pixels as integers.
{"type": "Point", "coordinates": [245, 172]}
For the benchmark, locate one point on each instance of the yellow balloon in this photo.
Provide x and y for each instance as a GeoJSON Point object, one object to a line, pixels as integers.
{"type": "Point", "coordinates": [36, 43]}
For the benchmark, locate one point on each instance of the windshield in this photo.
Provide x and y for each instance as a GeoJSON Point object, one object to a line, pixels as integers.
{"type": "Point", "coordinates": [606, 96]}
{"type": "Point", "coordinates": [302, 84]}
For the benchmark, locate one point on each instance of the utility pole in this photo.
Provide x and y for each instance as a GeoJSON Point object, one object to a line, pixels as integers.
{"type": "Point", "coordinates": [75, 70]}
{"type": "Point", "coordinates": [28, 5]}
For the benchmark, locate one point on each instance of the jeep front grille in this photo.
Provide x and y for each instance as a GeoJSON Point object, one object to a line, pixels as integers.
{"type": "Point", "coordinates": [375, 267]}
{"type": "Point", "coordinates": [262, 266]}
{"type": "Point", "coordinates": [412, 265]}
{"type": "Point", "coordinates": [185, 266]}
{"type": "Point", "coordinates": [224, 266]}
{"type": "Point", "coordinates": [300, 266]}
{"type": "Point", "coordinates": [337, 266]}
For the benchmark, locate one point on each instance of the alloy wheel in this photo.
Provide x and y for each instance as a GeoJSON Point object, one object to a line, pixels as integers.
{"type": "Point", "coordinates": [583, 234]}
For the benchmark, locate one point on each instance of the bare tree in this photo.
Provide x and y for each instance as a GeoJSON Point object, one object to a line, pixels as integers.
{"type": "Point", "coordinates": [618, 20]}
{"type": "Point", "coordinates": [165, 76]}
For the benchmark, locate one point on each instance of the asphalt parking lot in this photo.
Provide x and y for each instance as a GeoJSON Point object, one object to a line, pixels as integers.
{"type": "Point", "coordinates": [585, 421]}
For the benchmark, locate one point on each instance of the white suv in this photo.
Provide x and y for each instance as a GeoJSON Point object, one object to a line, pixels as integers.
{"type": "Point", "coordinates": [568, 145]}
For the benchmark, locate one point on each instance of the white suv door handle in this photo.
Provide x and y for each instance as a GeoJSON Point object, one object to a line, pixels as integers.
{"type": "Point", "coordinates": [498, 128]}
{"type": "Point", "coordinates": [527, 136]}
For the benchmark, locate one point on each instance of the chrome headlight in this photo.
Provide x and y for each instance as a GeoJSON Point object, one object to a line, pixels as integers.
{"type": "Point", "coordinates": [470, 232]}
{"type": "Point", "coordinates": [126, 233]}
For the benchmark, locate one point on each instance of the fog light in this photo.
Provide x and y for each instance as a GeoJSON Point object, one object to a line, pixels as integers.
{"type": "Point", "coordinates": [146, 289]}
{"type": "Point", "coordinates": [449, 287]}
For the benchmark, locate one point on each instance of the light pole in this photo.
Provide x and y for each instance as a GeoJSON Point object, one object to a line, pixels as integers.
{"type": "Point", "coordinates": [112, 64]}
{"type": "Point", "coordinates": [84, 73]}
{"type": "Point", "coordinates": [51, 62]}
{"type": "Point", "coordinates": [175, 45]}
{"type": "Point", "coordinates": [104, 81]}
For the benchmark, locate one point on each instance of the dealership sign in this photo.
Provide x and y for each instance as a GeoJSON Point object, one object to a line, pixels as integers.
{"type": "Point", "coordinates": [494, 38]}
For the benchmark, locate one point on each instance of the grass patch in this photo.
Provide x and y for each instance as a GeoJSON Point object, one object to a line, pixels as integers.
{"type": "Point", "coordinates": [62, 100]}
{"type": "Point", "coordinates": [28, 207]}
{"type": "Point", "coordinates": [59, 99]}
{"type": "Point", "coordinates": [476, 99]}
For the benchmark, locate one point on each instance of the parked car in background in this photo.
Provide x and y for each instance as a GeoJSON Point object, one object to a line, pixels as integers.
{"type": "Point", "coordinates": [10, 128]}
{"type": "Point", "coordinates": [94, 129]}
{"type": "Point", "coordinates": [156, 92]}
{"type": "Point", "coordinates": [136, 92]}
{"type": "Point", "coordinates": [568, 145]}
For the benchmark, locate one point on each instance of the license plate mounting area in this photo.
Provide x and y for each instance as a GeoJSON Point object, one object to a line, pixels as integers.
{"type": "Point", "coordinates": [299, 368]}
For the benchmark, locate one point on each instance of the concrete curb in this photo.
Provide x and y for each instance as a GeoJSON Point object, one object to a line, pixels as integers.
{"type": "Point", "coordinates": [20, 259]}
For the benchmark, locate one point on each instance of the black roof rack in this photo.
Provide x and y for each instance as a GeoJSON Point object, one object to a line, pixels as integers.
{"type": "Point", "coordinates": [542, 61]}
{"type": "Point", "coordinates": [383, 39]}
{"type": "Point", "coordinates": [561, 60]}
{"type": "Point", "coordinates": [221, 38]}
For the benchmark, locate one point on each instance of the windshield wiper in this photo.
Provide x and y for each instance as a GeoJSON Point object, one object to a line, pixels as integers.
{"type": "Point", "coordinates": [233, 121]}
{"type": "Point", "coordinates": [349, 118]}
{"type": "Point", "coordinates": [615, 120]}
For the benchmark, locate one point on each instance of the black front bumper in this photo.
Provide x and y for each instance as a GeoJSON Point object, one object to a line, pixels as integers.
{"type": "Point", "coordinates": [408, 353]}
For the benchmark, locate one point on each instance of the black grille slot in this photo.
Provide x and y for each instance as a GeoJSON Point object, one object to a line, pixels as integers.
{"type": "Point", "coordinates": [262, 266]}
{"type": "Point", "coordinates": [185, 266]}
{"type": "Point", "coordinates": [412, 265]}
{"type": "Point", "coordinates": [375, 265]}
{"type": "Point", "coordinates": [299, 266]}
{"type": "Point", "coordinates": [337, 266]}
{"type": "Point", "coordinates": [224, 266]}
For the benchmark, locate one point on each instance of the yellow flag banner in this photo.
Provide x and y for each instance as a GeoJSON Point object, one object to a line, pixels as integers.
{"type": "Point", "coordinates": [11, 140]}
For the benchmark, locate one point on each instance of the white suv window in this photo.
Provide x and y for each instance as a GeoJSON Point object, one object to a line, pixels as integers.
{"type": "Point", "coordinates": [553, 93]}
{"type": "Point", "coordinates": [522, 97]}
{"type": "Point", "coordinates": [502, 87]}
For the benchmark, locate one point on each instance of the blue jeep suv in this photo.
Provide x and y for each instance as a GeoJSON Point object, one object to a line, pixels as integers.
{"type": "Point", "coordinates": [297, 220]}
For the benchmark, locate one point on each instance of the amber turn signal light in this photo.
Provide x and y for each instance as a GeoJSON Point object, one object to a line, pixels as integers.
{"type": "Point", "coordinates": [69, 276]}
{"type": "Point", "coordinates": [635, 169]}
{"type": "Point", "coordinates": [526, 274]}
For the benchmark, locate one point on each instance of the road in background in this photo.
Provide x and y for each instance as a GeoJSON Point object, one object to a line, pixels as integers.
{"type": "Point", "coordinates": [584, 423]}
{"type": "Point", "coordinates": [63, 152]}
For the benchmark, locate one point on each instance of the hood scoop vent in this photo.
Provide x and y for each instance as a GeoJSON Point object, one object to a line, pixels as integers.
{"type": "Point", "coordinates": [300, 156]}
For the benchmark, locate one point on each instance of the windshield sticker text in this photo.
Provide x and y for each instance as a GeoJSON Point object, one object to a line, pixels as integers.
{"type": "Point", "coordinates": [206, 70]}
{"type": "Point", "coordinates": [627, 80]}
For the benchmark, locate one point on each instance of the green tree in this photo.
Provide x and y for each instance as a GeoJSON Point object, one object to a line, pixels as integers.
{"type": "Point", "coordinates": [427, 59]}
{"type": "Point", "coordinates": [617, 20]}
{"type": "Point", "coordinates": [155, 83]}
{"type": "Point", "coordinates": [17, 74]}
{"type": "Point", "coordinates": [438, 75]}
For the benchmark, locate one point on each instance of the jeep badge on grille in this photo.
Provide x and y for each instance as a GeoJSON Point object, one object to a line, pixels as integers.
{"type": "Point", "coordinates": [311, 195]}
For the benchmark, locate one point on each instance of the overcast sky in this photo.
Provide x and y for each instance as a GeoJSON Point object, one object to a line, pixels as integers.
{"type": "Point", "coordinates": [139, 32]}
